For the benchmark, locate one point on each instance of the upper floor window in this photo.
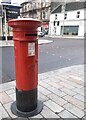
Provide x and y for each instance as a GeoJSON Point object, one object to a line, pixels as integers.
{"type": "Point", "coordinates": [54, 23]}
{"type": "Point", "coordinates": [57, 23]}
{"type": "Point", "coordinates": [34, 5]}
{"type": "Point", "coordinates": [55, 16]}
{"type": "Point", "coordinates": [65, 16]}
{"type": "Point", "coordinates": [78, 14]}
{"type": "Point", "coordinates": [25, 8]}
{"type": "Point", "coordinates": [43, 15]}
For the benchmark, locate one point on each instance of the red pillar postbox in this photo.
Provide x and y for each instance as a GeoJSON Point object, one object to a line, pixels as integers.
{"type": "Point", "coordinates": [26, 66]}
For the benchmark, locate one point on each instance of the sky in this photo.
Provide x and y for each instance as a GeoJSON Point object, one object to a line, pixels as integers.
{"type": "Point", "coordinates": [17, 1]}
{"type": "Point", "coordinates": [21, 1]}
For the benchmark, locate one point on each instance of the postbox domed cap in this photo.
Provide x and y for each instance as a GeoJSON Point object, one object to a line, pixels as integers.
{"type": "Point", "coordinates": [25, 22]}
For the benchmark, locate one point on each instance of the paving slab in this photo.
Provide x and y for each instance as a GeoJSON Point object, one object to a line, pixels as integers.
{"type": "Point", "coordinates": [4, 98]}
{"type": "Point", "coordinates": [11, 91]}
{"type": "Point", "coordinates": [8, 109]}
{"type": "Point", "coordinates": [42, 97]}
{"type": "Point", "coordinates": [60, 101]}
{"type": "Point", "coordinates": [57, 91]}
{"type": "Point", "coordinates": [53, 106]}
{"type": "Point", "coordinates": [74, 101]}
{"type": "Point", "coordinates": [66, 114]}
{"type": "Point", "coordinates": [74, 110]}
{"type": "Point", "coordinates": [7, 86]}
{"type": "Point", "coordinates": [3, 113]}
{"type": "Point", "coordinates": [39, 116]}
{"type": "Point", "coordinates": [43, 90]}
{"type": "Point", "coordinates": [80, 97]}
{"type": "Point", "coordinates": [68, 91]}
{"type": "Point", "coordinates": [47, 113]}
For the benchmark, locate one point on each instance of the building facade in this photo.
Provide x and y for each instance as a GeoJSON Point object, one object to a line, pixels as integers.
{"type": "Point", "coordinates": [70, 21]}
{"type": "Point", "coordinates": [36, 9]}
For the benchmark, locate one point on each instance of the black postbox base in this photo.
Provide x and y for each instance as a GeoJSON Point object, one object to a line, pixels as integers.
{"type": "Point", "coordinates": [26, 104]}
{"type": "Point", "coordinates": [18, 113]}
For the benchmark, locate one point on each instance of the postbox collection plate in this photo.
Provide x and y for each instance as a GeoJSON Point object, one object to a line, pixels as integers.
{"type": "Point", "coordinates": [31, 49]}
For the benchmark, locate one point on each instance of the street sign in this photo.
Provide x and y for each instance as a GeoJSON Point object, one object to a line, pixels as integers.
{"type": "Point", "coordinates": [12, 12]}
{"type": "Point", "coordinates": [6, 1]}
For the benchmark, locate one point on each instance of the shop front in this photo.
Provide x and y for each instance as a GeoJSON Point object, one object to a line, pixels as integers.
{"type": "Point", "coordinates": [69, 30]}
{"type": "Point", "coordinates": [7, 12]}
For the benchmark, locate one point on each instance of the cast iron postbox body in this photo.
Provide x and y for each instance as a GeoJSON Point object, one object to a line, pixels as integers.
{"type": "Point", "coordinates": [26, 66]}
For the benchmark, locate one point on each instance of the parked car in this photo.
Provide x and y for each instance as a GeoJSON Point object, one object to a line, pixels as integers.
{"type": "Point", "coordinates": [41, 34]}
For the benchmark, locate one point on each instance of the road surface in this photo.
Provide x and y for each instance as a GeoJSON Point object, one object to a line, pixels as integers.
{"type": "Point", "coordinates": [58, 54]}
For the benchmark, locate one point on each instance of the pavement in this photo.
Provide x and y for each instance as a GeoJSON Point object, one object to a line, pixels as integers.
{"type": "Point", "coordinates": [61, 91]}
{"type": "Point", "coordinates": [66, 36]}
{"type": "Point", "coordinates": [42, 41]}
{"type": "Point", "coordinates": [10, 42]}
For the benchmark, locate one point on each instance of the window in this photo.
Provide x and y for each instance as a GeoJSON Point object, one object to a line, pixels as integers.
{"type": "Point", "coordinates": [25, 8]}
{"type": "Point", "coordinates": [46, 15]}
{"type": "Point", "coordinates": [34, 5]}
{"type": "Point", "coordinates": [69, 30]}
{"type": "Point", "coordinates": [54, 30]}
{"type": "Point", "coordinates": [54, 23]}
{"type": "Point", "coordinates": [65, 16]}
{"type": "Point", "coordinates": [78, 14]}
{"type": "Point", "coordinates": [43, 15]}
{"type": "Point", "coordinates": [57, 23]}
{"type": "Point", "coordinates": [55, 16]}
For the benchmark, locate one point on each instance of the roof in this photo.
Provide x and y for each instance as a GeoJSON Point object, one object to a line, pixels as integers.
{"type": "Point", "coordinates": [70, 6]}
{"type": "Point", "coordinates": [24, 3]}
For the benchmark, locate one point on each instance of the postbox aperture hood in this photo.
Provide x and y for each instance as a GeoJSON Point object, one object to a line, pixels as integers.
{"type": "Point", "coordinates": [25, 23]}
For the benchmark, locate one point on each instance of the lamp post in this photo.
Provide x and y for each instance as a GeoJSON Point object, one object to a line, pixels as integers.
{"type": "Point", "coordinates": [41, 10]}
{"type": "Point", "coordinates": [1, 25]}
{"type": "Point", "coordinates": [64, 7]}
{"type": "Point", "coordinates": [5, 25]}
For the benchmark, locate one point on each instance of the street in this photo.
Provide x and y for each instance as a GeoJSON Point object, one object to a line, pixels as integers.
{"type": "Point", "coordinates": [58, 54]}
{"type": "Point", "coordinates": [61, 53]}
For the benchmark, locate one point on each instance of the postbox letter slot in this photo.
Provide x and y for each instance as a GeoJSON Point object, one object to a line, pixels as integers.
{"type": "Point", "coordinates": [30, 35]}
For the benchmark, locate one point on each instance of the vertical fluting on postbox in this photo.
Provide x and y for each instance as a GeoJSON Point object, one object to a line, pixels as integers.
{"type": "Point", "coordinates": [26, 66]}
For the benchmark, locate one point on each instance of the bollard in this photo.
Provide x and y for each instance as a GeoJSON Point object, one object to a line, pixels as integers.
{"type": "Point", "coordinates": [26, 66]}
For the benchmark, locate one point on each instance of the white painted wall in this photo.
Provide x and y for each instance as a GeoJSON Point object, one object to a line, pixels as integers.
{"type": "Point", "coordinates": [5, 0]}
{"type": "Point", "coordinates": [70, 21]}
